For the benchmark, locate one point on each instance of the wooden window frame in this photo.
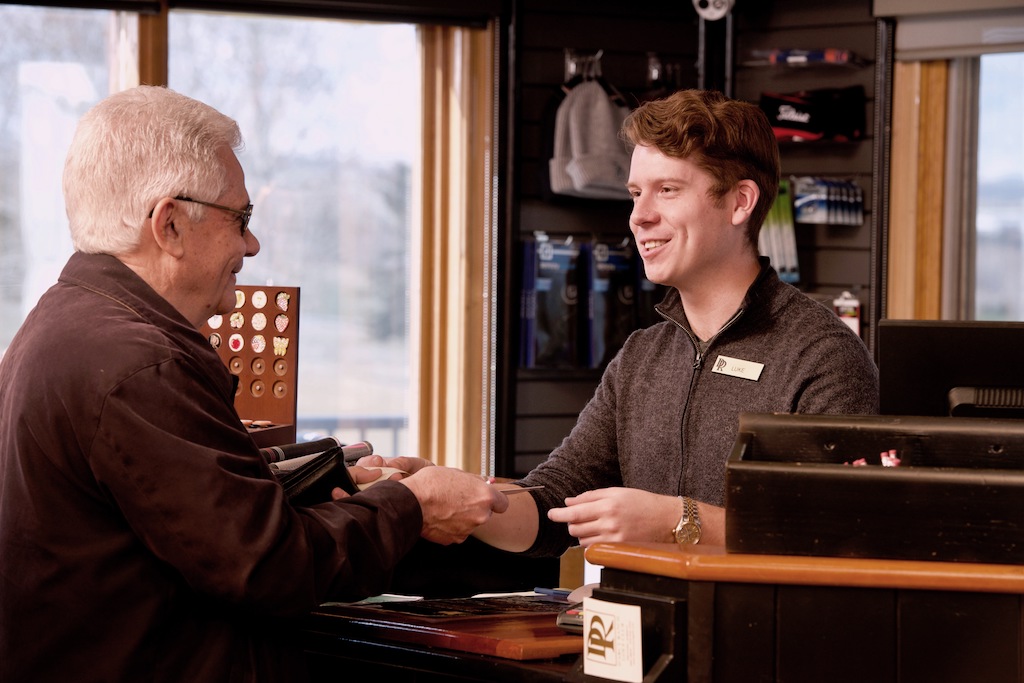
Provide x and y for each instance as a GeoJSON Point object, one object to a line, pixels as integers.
{"type": "Point", "coordinates": [456, 383]}
{"type": "Point", "coordinates": [916, 190]}
{"type": "Point", "coordinates": [452, 414]}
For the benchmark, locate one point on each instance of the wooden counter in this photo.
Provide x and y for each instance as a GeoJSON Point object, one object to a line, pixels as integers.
{"type": "Point", "coordinates": [714, 564]}
{"type": "Point", "coordinates": [512, 636]}
{"type": "Point", "coordinates": [397, 646]}
{"type": "Point", "coordinates": [716, 617]}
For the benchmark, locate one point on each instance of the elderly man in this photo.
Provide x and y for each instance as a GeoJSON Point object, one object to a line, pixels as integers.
{"type": "Point", "coordinates": [142, 536]}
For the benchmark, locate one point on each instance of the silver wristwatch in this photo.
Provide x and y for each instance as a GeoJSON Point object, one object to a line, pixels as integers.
{"type": "Point", "coordinates": [687, 531]}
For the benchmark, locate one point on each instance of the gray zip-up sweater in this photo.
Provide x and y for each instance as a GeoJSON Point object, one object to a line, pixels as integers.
{"type": "Point", "coordinates": [664, 421]}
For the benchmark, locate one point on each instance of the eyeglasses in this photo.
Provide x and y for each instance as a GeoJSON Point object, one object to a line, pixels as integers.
{"type": "Point", "coordinates": [243, 214]}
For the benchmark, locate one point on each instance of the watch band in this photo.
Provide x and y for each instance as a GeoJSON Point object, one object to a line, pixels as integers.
{"type": "Point", "coordinates": [687, 531]}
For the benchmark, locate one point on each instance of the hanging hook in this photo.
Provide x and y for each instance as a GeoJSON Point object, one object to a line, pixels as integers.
{"type": "Point", "coordinates": [587, 67]}
{"type": "Point", "coordinates": [572, 65]}
{"type": "Point", "coordinates": [654, 69]}
{"type": "Point", "coordinates": [595, 64]}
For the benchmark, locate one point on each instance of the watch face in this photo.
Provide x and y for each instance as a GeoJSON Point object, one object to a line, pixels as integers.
{"type": "Point", "coordinates": [688, 533]}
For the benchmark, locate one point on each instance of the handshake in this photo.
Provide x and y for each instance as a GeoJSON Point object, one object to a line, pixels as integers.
{"type": "Point", "coordinates": [454, 503]}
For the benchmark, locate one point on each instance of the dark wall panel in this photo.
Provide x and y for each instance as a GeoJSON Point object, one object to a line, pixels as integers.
{"type": "Point", "coordinates": [541, 405]}
{"type": "Point", "coordinates": [831, 256]}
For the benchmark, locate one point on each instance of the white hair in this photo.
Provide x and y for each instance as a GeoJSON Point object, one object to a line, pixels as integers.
{"type": "Point", "coordinates": [133, 149]}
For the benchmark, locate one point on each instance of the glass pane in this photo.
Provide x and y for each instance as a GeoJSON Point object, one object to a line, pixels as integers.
{"type": "Point", "coordinates": [54, 65]}
{"type": "Point", "coordinates": [330, 113]}
{"type": "Point", "coordinates": [999, 266]}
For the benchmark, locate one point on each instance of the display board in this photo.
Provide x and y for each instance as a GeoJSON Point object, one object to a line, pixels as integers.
{"type": "Point", "coordinates": [259, 343]}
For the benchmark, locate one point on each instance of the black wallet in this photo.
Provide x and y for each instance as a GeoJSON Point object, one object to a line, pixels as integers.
{"type": "Point", "coordinates": [313, 482]}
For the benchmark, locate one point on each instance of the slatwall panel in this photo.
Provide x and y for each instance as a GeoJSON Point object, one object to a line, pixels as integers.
{"type": "Point", "coordinates": [544, 404]}
{"type": "Point", "coordinates": [832, 258]}
{"type": "Point", "coordinates": [539, 407]}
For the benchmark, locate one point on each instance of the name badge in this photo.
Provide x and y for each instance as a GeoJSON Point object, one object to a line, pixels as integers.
{"type": "Point", "coordinates": [737, 367]}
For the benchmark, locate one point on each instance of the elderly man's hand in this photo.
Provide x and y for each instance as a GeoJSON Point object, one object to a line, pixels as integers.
{"type": "Point", "coordinates": [404, 463]}
{"type": "Point", "coordinates": [367, 476]}
{"type": "Point", "coordinates": [454, 502]}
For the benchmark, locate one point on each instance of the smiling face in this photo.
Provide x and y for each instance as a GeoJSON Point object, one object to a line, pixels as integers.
{"type": "Point", "coordinates": [217, 246]}
{"type": "Point", "coordinates": [684, 234]}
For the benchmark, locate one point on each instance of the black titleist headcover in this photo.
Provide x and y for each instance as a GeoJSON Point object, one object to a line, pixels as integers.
{"type": "Point", "coordinates": [824, 114]}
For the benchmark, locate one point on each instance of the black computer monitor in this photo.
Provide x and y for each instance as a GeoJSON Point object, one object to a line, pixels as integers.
{"type": "Point", "coordinates": [955, 368]}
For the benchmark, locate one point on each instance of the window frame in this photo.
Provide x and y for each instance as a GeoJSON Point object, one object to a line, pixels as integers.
{"type": "Point", "coordinates": [930, 251]}
{"type": "Point", "coordinates": [452, 412]}
{"type": "Point", "coordinates": [452, 416]}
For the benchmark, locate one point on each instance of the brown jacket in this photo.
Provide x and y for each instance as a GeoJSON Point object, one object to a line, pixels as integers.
{"type": "Point", "coordinates": [142, 537]}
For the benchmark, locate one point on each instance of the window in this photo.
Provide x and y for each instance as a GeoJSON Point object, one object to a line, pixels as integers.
{"type": "Point", "coordinates": [330, 112]}
{"type": "Point", "coordinates": [332, 116]}
{"type": "Point", "coordinates": [957, 163]}
{"type": "Point", "coordinates": [54, 65]}
{"type": "Point", "coordinates": [999, 224]}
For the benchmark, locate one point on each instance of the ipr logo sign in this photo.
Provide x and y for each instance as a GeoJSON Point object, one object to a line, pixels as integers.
{"type": "Point", "coordinates": [613, 640]}
{"type": "Point", "coordinates": [601, 639]}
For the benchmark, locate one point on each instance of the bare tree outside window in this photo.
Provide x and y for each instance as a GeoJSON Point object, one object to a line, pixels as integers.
{"type": "Point", "coordinates": [331, 114]}
{"type": "Point", "coordinates": [53, 66]}
{"type": "Point", "coordinates": [330, 111]}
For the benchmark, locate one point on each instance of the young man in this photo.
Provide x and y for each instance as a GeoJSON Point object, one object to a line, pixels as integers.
{"type": "Point", "coordinates": [142, 535]}
{"type": "Point", "coordinates": [646, 460]}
